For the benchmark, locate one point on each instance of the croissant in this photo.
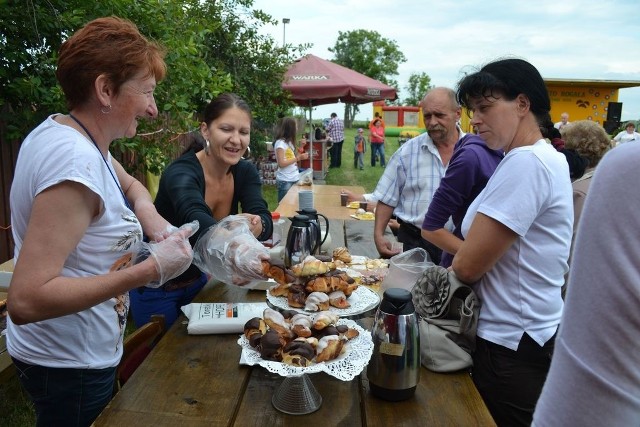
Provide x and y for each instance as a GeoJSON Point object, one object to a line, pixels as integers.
{"type": "Point", "coordinates": [279, 273]}
{"type": "Point", "coordinates": [276, 322]}
{"type": "Point", "coordinates": [329, 348]}
{"type": "Point", "coordinates": [298, 353]}
{"type": "Point", "coordinates": [254, 329]}
{"type": "Point", "coordinates": [347, 332]}
{"type": "Point", "coordinates": [271, 346]}
{"type": "Point", "coordinates": [338, 299]}
{"type": "Point", "coordinates": [310, 266]}
{"type": "Point", "coordinates": [317, 301]}
{"type": "Point", "coordinates": [342, 254]}
{"type": "Point", "coordinates": [324, 319]}
{"type": "Point", "coordinates": [301, 325]}
{"type": "Point", "coordinates": [296, 299]}
{"type": "Point", "coordinates": [328, 284]}
{"type": "Point", "coordinates": [280, 290]}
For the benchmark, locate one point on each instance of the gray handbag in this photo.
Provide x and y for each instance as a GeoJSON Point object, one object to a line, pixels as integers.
{"type": "Point", "coordinates": [448, 311]}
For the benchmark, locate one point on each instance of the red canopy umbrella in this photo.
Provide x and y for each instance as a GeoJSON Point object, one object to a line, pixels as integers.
{"type": "Point", "coordinates": [315, 81]}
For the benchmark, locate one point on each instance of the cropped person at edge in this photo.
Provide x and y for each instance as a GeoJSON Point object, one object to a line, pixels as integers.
{"type": "Point", "coordinates": [207, 183]}
{"type": "Point", "coordinates": [79, 217]}
{"type": "Point", "coordinates": [517, 238]}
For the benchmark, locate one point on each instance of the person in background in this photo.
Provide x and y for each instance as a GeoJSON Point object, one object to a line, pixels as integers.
{"type": "Point", "coordinates": [594, 378]}
{"type": "Point", "coordinates": [335, 131]}
{"type": "Point", "coordinates": [469, 169]}
{"type": "Point", "coordinates": [287, 156]}
{"type": "Point", "coordinates": [376, 137]}
{"type": "Point", "coordinates": [517, 237]}
{"type": "Point", "coordinates": [591, 142]}
{"type": "Point", "coordinates": [627, 135]}
{"type": "Point", "coordinates": [207, 183]}
{"type": "Point", "coordinates": [577, 163]}
{"type": "Point", "coordinates": [414, 172]}
{"type": "Point", "coordinates": [360, 146]}
{"type": "Point", "coordinates": [564, 120]}
{"type": "Point", "coordinates": [78, 219]}
{"type": "Point", "coordinates": [377, 116]}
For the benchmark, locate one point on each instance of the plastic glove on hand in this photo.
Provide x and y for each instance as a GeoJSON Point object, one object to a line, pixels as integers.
{"type": "Point", "coordinates": [173, 255]}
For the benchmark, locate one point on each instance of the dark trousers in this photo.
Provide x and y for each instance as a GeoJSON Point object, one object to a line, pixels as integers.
{"type": "Point", "coordinates": [377, 149]}
{"type": "Point", "coordinates": [163, 300]}
{"type": "Point", "coordinates": [336, 154]}
{"type": "Point", "coordinates": [64, 396]}
{"type": "Point", "coordinates": [510, 382]}
{"type": "Point", "coordinates": [411, 238]}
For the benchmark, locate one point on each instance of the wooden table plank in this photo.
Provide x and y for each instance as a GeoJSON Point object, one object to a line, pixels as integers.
{"type": "Point", "coordinates": [449, 399]}
{"type": "Point", "coordinates": [326, 200]}
{"type": "Point", "coordinates": [359, 238]}
{"type": "Point", "coordinates": [196, 380]}
{"type": "Point", "coordinates": [340, 405]}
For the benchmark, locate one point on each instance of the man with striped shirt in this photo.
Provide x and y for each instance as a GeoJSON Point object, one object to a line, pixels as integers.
{"type": "Point", "coordinates": [414, 172]}
{"type": "Point", "coordinates": [335, 130]}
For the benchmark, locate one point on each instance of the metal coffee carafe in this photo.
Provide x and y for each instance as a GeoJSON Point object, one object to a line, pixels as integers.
{"type": "Point", "coordinates": [300, 238]}
{"type": "Point", "coordinates": [394, 369]}
{"type": "Point", "coordinates": [314, 219]}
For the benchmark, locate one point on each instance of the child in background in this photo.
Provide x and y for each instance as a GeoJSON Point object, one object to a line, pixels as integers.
{"type": "Point", "coordinates": [359, 147]}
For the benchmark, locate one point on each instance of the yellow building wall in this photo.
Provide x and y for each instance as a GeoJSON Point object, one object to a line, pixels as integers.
{"type": "Point", "coordinates": [581, 103]}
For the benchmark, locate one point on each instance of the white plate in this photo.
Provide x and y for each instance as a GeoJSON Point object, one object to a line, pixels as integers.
{"type": "Point", "coordinates": [362, 300]}
{"type": "Point", "coordinates": [349, 364]}
{"type": "Point", "coordinates": [361, 219]}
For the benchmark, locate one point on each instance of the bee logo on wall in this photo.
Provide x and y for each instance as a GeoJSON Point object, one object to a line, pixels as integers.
{"type": "Point", "coordinates": [582, 104]}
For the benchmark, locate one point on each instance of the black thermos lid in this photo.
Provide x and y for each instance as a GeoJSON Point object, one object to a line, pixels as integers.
{"type": "Point", "coordinates": [300, 221]}
{"type": "Point", "coordinates": [397, 301]}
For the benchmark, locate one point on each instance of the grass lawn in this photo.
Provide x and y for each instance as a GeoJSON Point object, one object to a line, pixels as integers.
{"type": "Point", "coordinates": [346, 174]}
{"type": "Point", "coordinates": [15, 406]}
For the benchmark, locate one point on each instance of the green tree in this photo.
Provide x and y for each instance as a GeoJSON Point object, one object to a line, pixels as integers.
{"type": "Point", "coordinates": [198, 69]}
{"type": "Point", "coordinates": [369, 53]}
{"type": "Point", "coordinates": [417, 85]}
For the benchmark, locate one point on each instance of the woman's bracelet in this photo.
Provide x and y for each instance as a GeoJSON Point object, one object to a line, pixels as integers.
{"type": "Point", "coordinates": [264, 227]}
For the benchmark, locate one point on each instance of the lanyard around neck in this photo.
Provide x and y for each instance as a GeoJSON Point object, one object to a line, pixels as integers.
{"type": "Point", "coordinates": [126, 202]}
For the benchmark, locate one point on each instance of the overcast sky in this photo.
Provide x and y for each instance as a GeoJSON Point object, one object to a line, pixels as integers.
{"type": "Point", "coordinates": [562, 38]}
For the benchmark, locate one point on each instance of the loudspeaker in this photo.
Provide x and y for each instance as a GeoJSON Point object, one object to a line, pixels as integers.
{"type": "Point", "coordinates": [614, 111]}
{"type": "Point", "coordinates": [610, 126]}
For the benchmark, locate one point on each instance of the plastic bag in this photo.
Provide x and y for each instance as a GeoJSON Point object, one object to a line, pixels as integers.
{"type": "Point", "coordinates": [230, 253]}
{"type": "Point", "coordinates": [306, 177]}
{"type": "Point", "coordinates": [406, 268]}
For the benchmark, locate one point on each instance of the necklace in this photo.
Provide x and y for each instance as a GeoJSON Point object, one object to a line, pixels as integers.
{"type": "Point", "coordinates": [126, 202]}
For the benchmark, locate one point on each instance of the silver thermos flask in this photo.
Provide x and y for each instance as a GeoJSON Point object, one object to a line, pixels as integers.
{"type": "Point", "coordinates": [394, 369]}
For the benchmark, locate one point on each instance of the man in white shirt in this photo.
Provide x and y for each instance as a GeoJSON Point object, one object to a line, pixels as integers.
{"type": "Point", "coordinates": [564, 120]}
{"type": "Point", "coordinates": [414, 172]}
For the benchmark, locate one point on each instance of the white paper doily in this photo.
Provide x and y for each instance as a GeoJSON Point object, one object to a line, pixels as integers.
{"type": "Point", "coordinates": [351, 362]}
{"type": "Point", "coordinates": [362, 300]}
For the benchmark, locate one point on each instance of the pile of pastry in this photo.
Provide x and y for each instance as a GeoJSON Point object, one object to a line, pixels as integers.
{"type": "Point", "coordinates": [313, 285]}
{"type": "Point", "coordinates": [298, 339]}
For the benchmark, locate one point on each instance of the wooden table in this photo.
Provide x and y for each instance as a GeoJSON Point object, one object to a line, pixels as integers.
{"type": "Point", "coordinates": [196, 380]}
{"type": "Point", "coordinates": [326, 200]}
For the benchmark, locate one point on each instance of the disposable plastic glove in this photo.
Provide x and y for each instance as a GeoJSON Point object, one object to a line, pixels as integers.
{"type": "Point", "coordinates": [230, 253]}
{"type": "Point", "coordinates": [173, 255]}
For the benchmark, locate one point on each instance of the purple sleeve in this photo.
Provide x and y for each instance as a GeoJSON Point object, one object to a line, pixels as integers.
{"type": "Point", "coordinates": [468, 172]}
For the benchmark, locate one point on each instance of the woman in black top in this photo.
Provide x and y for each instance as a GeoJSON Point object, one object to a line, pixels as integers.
{"type": "Point", "coordinates": [207, 183]}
